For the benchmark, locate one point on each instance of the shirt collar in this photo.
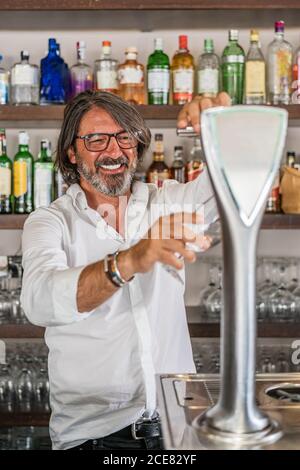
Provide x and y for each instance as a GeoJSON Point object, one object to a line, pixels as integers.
{"type": "Point", "coordinates": [78, 196]}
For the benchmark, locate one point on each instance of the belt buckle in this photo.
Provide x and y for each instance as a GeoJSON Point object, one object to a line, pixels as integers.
{"type": "Point", "coordinates": [141, 421]}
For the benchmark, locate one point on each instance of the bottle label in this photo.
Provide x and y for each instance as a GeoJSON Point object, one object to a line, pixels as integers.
{"type": "Point", "coordinates": [193, 169]}
{"type": "Point", "coordinates": [42, 187]}
{"type": "Point", "coordinates": [158, 177]}
{"type": "Point", "coordinates": [208, 81]}
{"type": "Point", "coordinates": [5, 181]}
{"type": "Point", "coordinates": [158, 80]}
{"type": "Point", "coordinates": [22, 74]}
{"type": "Point", "coordinates": [130, 75]}
{"type": "Point", "coordinates": [280, 76]}
{"type": "Point", "coordinates": [233, 59]}
{"type": "Point", "coordinates": [255, 77]}
{"type": "Point", "coordinates": [20, 178]}
{"type": "Point", "coordinates": [107, 80]}
{"type": "Point", "coordinates": [183, 81]}
{"type": "Point", "coordinates": [4, 88]}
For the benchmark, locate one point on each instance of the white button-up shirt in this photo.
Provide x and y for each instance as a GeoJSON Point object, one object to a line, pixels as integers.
{"type": "Point", "coordinates": [102, 364]}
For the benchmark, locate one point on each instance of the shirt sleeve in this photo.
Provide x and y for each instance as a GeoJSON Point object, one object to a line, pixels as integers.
{"type": "Point", "coordinates": [188, 197]}
{"type": "Point", "coordinates": [49, 285]}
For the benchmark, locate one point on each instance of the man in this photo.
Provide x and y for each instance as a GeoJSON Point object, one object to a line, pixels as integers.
{"type": "Point", "coordinates": [94, 276]}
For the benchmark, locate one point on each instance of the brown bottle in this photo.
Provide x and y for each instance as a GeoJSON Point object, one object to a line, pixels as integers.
{"type": "Point", "coordinates": [195, 163]}
{"type": "Point", "coordinates": [177, 169]}
{"type": "Point", "coordinates": [158, 172]}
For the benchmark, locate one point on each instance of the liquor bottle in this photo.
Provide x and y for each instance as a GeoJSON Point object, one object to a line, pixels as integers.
{"type": "Point", "coordinates": [158, 171]}
{"type": "Point", "coordinates": [177, 170]}
{"type": "Point", "coordinates": [106, 70]}
{"type": "Point", "coordinates": [290, 159]}
{"type": "Point", "coordinates": [295, 99]}
{"type": "Point", "coordinates": [233, 68]}
{"type": "Point", "coordinates": [53, 77]}
{"type": "Point", "coordinates": [183, 72]}
{"type": "Point", "coordinates": [43, 177]}
{"type": "Point", "coordinates": [131, 78]}
{"type": "Point", "coordinates": [140, 174]}
{"type": "Point", "coordinates": [208, 71]}
{"type": "Point", "coordinates": [255, 74]}
{"type": "Point", "coordinates": [5, 177]}
{"type": "Point", "coordinates": [24, 82]}
{"type": "Point", "coordinates": [4, 84]}
{"type": "Point", "coordinates": [22, 176]}
{"type": "Point", "coordinates": [273, 201]}
{"type": "Point", "coordinates": [195, 163]}
{"type": "Point", "coordinates": [81, 73]}
{"type": "Point", "coordinates": [279, 67]}
{"type": "Point", "coordinates": [66, 75]}
{"type": "Point", "coordinates": [158, 69]}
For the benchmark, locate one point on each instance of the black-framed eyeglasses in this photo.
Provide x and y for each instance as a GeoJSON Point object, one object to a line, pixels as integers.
{"type": "Point", "coordinates": [100, 141]}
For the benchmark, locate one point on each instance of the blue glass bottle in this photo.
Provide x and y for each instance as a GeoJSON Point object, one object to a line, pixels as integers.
{"type": "Point", "coordinates": [53, 76]}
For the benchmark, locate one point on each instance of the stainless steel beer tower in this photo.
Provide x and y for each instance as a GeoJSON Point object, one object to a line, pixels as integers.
{"type": "Point", "coordinates": [243, 147]}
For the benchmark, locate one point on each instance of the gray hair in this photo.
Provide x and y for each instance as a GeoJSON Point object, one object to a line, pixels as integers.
{"type": "Point", "coordinates": [122, 112]}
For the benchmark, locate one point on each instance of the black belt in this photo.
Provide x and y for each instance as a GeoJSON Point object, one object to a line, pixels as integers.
{"type": "Point", "coordinates": [141, 429]}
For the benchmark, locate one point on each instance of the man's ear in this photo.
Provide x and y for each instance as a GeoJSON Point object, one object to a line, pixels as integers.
{"type": "Point", "coordinates": [71, 155]}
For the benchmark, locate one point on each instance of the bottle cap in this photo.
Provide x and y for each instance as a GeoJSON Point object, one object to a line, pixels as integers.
{"type": "Point", "coordinates": [23, 138]}
{"type": "Point", "coordinates": [178, 148]}
{"type": "Point", "coordinates": [131, 50]}
{"type": "Point", "coordinates": [233, 34]}
{"type": "Point", "coordinates": [208, 45]}
{"type": "Point", "coordinates": [291, 153]}
{"type": "Point", "coordinates": [106, 43]}
{"type": "Point", "coordinates": [254, 35]}
{"type": "Point", "coordinates": [44, 144]}
{"type": "Point", "coordinates": [24, 55]}
{"type": "Point", "coordinates": [158, 44]}
{"type": "Point", "coordinates": [80, 44]}
{"type": "Point", "coordinates": [51, 42]}
{"type": "Point", "coordinates": [158, 137]}
{"type": "Point", "coordinates": [279, 26]}
{"type": "Point", "coordinates": [183, 42]}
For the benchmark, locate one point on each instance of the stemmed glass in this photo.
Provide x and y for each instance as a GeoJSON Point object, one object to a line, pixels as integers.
{"type": "Point", "coordinates": [282, 303]}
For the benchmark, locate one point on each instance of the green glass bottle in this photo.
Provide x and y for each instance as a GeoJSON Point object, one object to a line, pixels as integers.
{"type": "Point", "coordinates": [233, 68]}
{"type": "Point", "coordinates": [158, 70]}
{"type": "Point", "coordinates": [43, 177]}
{"type": "Point", "coordinates": [5, 177]}
{"type": "Point", "coordinates": [22, 177]}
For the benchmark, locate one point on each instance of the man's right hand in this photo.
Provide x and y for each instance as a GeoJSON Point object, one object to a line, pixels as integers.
{"type": "Point", "coordinates": [164, 241]}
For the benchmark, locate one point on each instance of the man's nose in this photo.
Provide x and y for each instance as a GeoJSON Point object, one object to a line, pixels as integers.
{"type": "Point", "coordinates": [113, 146]}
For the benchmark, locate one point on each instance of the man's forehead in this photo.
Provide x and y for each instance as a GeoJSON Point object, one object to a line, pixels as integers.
{"type": "Point", "coordinates": [98, 120]}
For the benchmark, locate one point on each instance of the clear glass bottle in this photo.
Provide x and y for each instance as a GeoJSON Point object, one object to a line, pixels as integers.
{"type": "Point", "coordinates": [158, 70]}
{"type": "Point", "coordinates": [279, 67]}
{"type": "Point", "coordinates": [24, 82]}
{"type": "Point", "coordinates": [54, 81]}
{"type": "Point", "coordinates": [233, 68]}
{"type": "Point", "coordinates": [195, 163]}
{"type": "Point", "coordinates": [4, 84]}
{"type": "Point", "coordinates": [255, 73]}
{"type": "Point", "coordinates": [158, 171]}
{"type": "Point", "coordinates": [81, 73]}
{"type": "Point", "coordinates": [177, 170]}
{"type": "Point", "coordinates": [43, 177]}
{"type": "Point", "coordinates": [22, 176]}
{"type": "Point", "coordinates": [106, 70]}
{"type": "Point", "coordinates": [131, 78]}
{"type": "Point", "coordinates": [208, 71]}
{"type": "Point", "coordinates": [5, 177]}
{"type": "Point", "coordinates": [183, 73]}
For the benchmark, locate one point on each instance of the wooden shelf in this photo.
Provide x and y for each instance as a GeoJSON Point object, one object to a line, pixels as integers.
{"type": "Point", "coordinates": [270, 222]}
{"type": "Point", "coordinates": [45, 5]}
{"type": "Point", "coordinates": [21, 331]}
{"type": "Point", "coordinates": [24, 419]}
{"type": "Point", "coordinates": [264, 330]}
{"type": "Point", "coordinates": [202, 330]}
{"type": "Point", "coordinates": [149, 112]}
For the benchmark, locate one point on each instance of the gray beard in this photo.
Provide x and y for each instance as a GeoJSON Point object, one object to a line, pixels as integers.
{"type": "Point", "coordinates": [110, 185]}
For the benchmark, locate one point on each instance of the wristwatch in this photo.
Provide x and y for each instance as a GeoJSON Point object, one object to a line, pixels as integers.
{"type": "Point", "coordinates": [112, 271]}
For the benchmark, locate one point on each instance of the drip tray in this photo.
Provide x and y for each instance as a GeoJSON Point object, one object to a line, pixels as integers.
{"type": "Point", "coordinates": [184, 397]}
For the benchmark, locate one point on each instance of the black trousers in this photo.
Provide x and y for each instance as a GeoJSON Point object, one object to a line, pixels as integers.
{"type": "Point", "coordinates": [120, 440]}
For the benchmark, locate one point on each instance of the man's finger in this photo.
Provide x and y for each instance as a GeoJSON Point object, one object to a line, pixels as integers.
{"type": "Point", "coordinates": [223, 99]}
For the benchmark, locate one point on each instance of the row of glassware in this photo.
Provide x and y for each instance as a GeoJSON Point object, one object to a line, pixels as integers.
{"type": "Point", "coordinates": [277, 296]}
{"type": "Point", "coordinates": [24, 382]}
